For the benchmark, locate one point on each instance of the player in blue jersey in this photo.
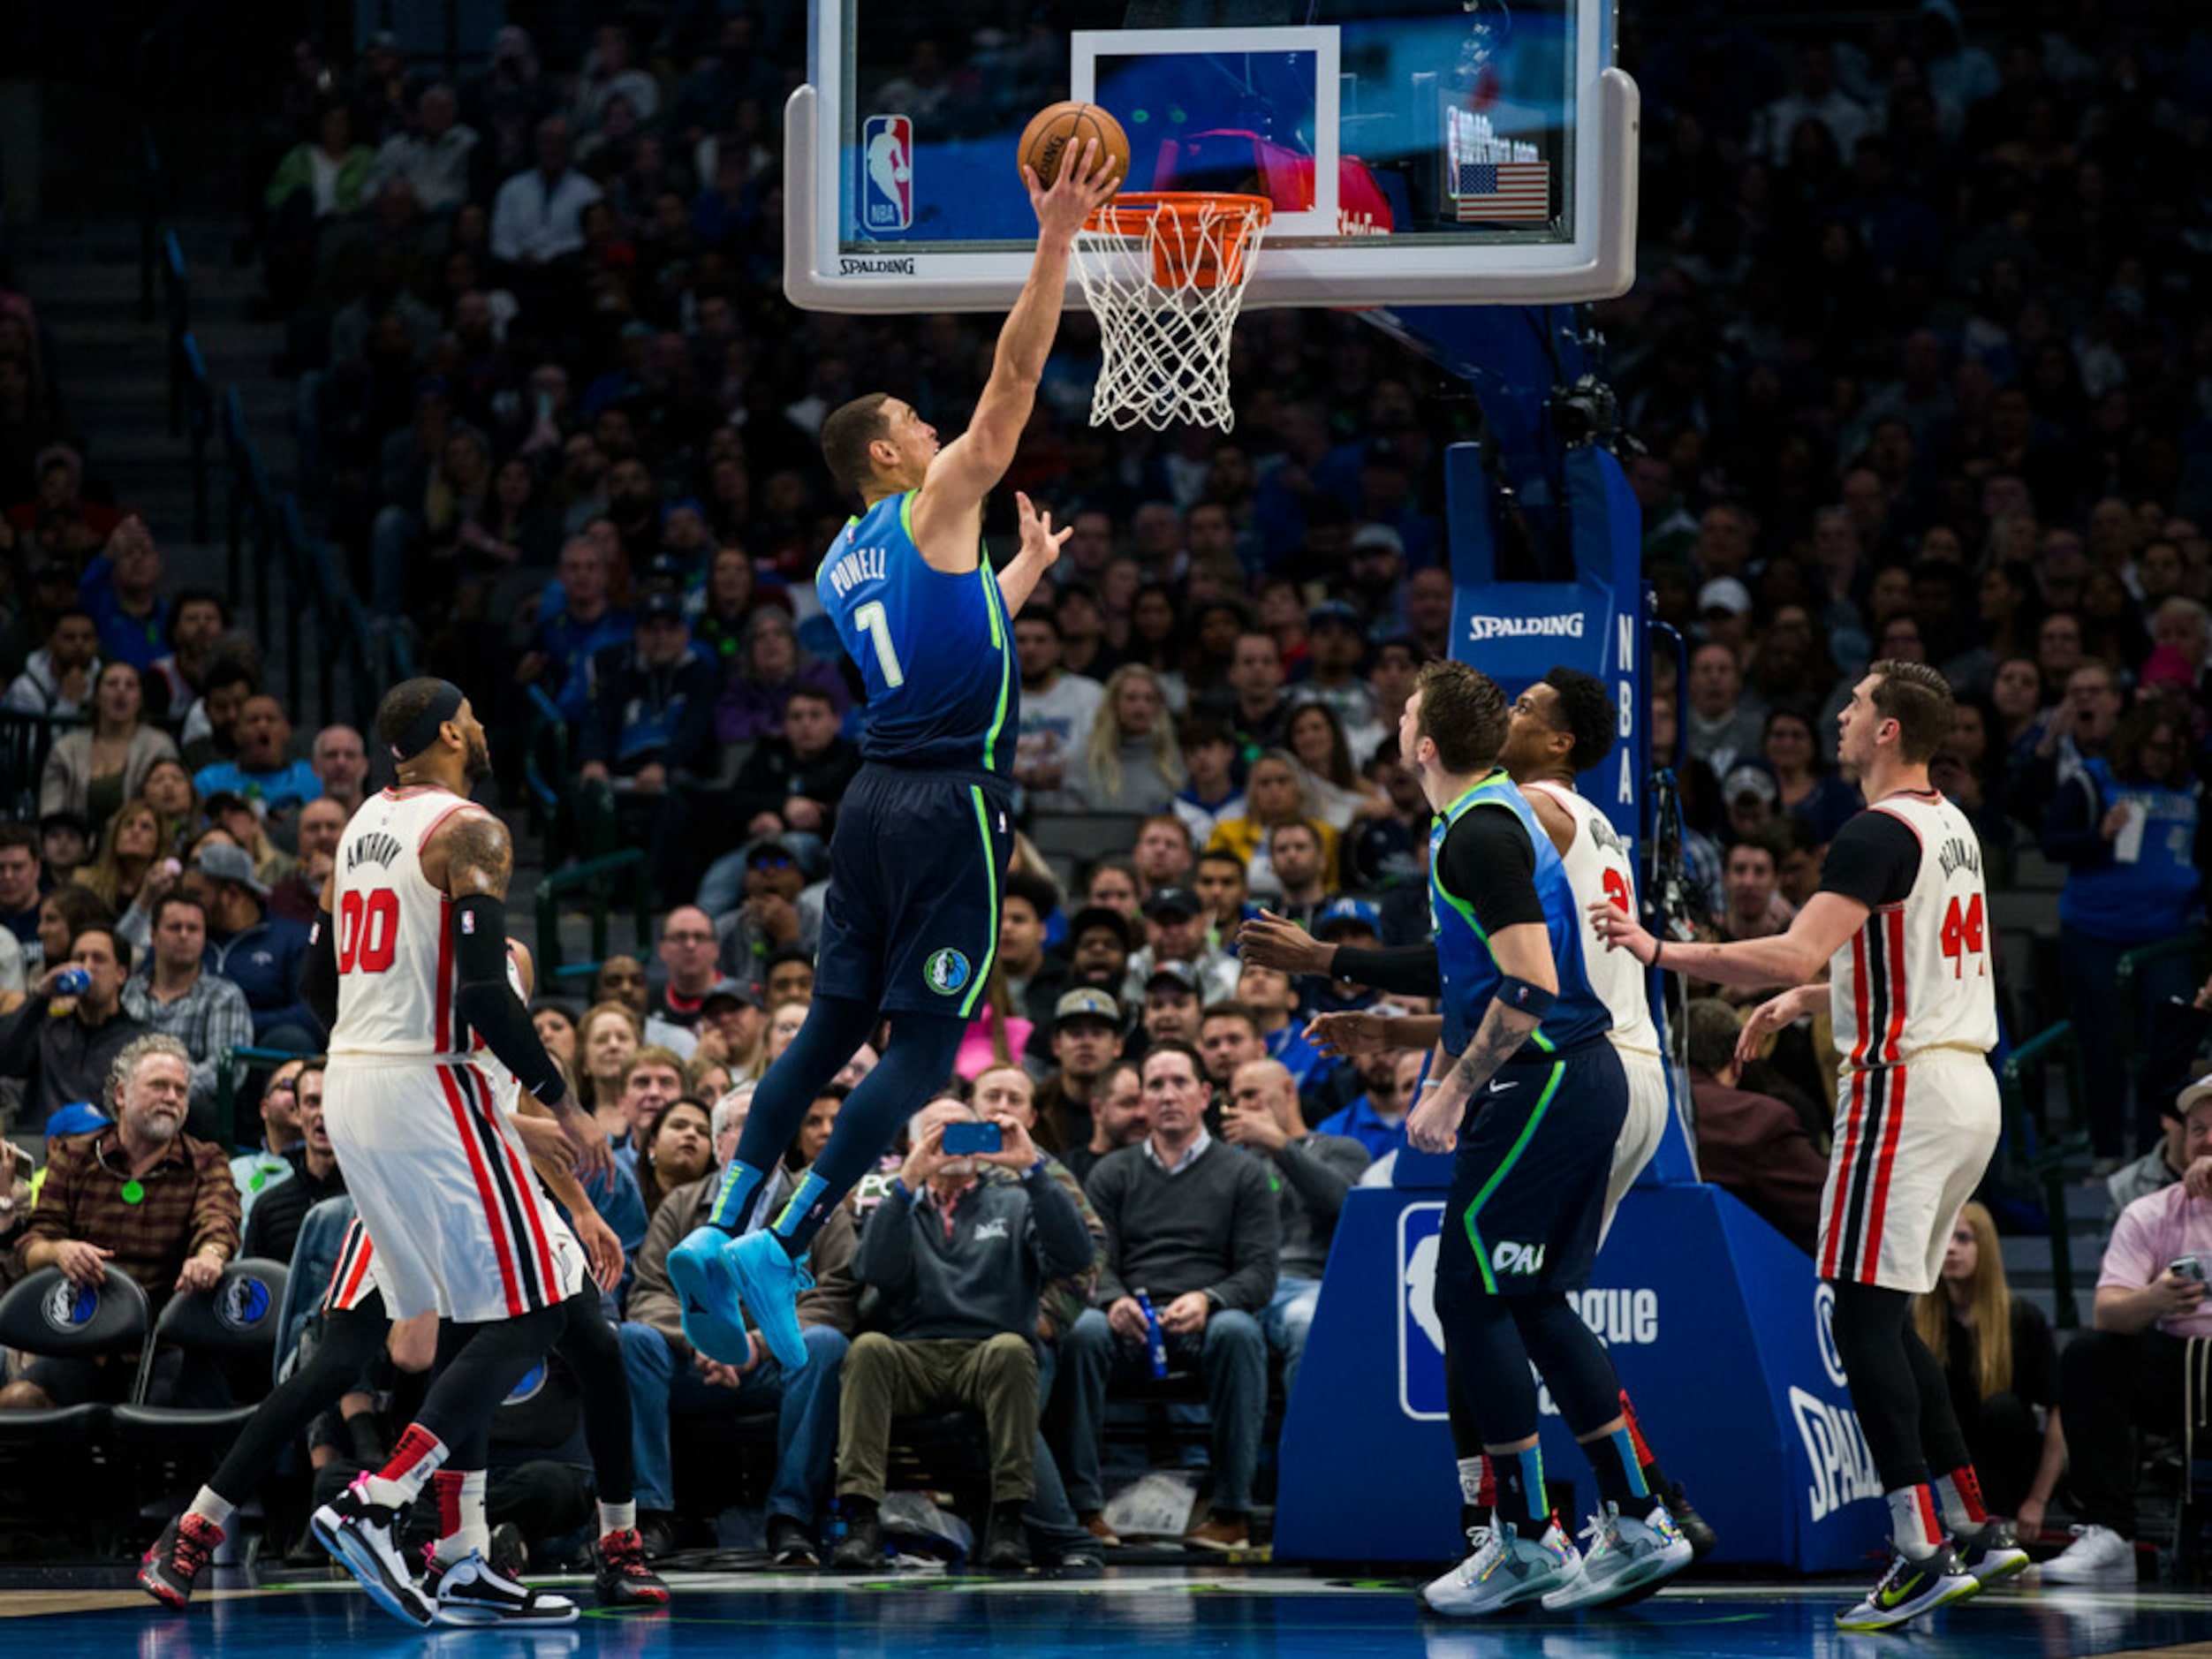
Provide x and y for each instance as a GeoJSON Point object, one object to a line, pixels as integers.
{"type": "Point", "coordinates": [1527, 1090]}
{"type": "Point", "coordinates": [911, 921]}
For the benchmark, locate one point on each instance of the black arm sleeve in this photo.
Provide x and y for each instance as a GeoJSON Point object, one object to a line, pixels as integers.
{"type": "Point", "coordinates": [1410, 969]}
{"type": "Point", "coordinates": [1489, 861]}
{"type": "Point", "coordinates": [319, 974]}
{"type": "Point", "coordinates": [1874, 859]}
{"type": "Point", "coordinates": [483, 997]}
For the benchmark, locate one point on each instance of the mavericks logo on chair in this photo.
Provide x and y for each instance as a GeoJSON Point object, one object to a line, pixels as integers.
{"type": "Point", "coordinates": [72, 1307]}
{"type": "Point", "coordinates": [947, 972]}
{"type": "Point", "coordinates": [242, 1303]}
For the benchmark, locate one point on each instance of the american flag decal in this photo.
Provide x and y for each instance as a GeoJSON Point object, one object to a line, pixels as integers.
{"type": "Point", "coordinates": [1514, 192]}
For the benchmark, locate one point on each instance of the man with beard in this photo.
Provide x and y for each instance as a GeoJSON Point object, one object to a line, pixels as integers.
{"type": "Point", "coordinates": [409, 968]}
{"type": "Point", "coordinates": [142, 1194]}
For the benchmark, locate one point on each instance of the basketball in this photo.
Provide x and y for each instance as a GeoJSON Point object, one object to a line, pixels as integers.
{"type": "Point", "coordinates": [1064, 127]}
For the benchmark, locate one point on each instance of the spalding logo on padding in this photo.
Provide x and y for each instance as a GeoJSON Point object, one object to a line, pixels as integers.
{"type": "Point", "coordinates": [242, 1303]}
{"type": "Point", "coordinates": [72, 1307]}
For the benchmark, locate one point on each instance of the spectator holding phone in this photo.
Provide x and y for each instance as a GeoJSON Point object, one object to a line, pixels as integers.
{"type": "Point", "coordinates": [2128, 1374]}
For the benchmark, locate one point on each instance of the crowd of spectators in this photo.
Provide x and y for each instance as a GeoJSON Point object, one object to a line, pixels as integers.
{"type": "Point", "coordinates": [1917, 364]}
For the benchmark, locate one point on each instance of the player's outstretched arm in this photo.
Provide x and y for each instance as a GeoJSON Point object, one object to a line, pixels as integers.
{"type": "Point", "coordinates": [1787, 959]}
{"type": "Point", "coordinates": [972, 465]}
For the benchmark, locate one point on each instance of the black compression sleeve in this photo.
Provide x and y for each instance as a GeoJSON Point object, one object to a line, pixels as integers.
{"type": "Point", "coordinates": [319, 975]}
{"type": "Point", "coordinates": [1409, 970]}
{"type": "Point", "coordinates": [483, 997]}
{"type": "Point", "coordinates": [1490, 862]}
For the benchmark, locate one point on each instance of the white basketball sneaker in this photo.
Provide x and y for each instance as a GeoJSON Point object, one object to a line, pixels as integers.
{"type": "Point", "coordinates": [1625, 1556]}
{"type": "Point", "coordinates": [1507, 1571]}
{"type": "Point", "coordinates": [2097, 1555]}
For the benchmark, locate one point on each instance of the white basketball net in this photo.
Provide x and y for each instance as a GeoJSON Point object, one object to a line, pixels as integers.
{"type": "Point", "coordinates": [1165, 287]}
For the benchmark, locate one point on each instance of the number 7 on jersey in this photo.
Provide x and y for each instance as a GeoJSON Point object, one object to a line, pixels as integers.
{"type": "Point", "coordinates": [871, 621]}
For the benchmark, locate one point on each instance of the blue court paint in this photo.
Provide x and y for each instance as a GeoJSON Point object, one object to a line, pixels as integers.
{"type": "Point", "coordinates": [1260, 1615]}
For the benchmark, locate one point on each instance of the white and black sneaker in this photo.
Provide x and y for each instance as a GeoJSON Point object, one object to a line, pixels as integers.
{"type": "Point", "coordinates": [360, 1537]}
{"type": "Point", "coordinates": [1626, 1554]}
{"type": "Point", "coordinates": [472, 1592]}
{"type": "Point", "coordinates": [1508, 1571]}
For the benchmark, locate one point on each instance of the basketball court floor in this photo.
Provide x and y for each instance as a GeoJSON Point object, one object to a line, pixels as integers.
{"type": "Point", "coordinates": [1258, 1614]}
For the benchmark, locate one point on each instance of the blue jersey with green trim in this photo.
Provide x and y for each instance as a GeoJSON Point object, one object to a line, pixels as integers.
{"type": "Point", "coordinates": [1470, 975]}
{"type": "Point", "coordinates": [936, 651]}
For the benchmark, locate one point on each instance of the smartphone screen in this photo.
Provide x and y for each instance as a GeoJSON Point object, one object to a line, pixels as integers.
{"type": "Point", "coordinates": [966, 1139]}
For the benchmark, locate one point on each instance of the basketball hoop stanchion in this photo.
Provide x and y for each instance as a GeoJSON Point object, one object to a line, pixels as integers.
{"type": "Point", "coordinates": [1164, 275]}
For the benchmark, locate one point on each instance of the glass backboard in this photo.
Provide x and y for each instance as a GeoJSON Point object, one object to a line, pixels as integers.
{"type": "Point", "coordinates": [1416, 151]}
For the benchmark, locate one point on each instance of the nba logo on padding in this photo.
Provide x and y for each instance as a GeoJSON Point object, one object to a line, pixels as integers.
{"type": "Point", "coordinates": [1421, 1334]}
{"type": "Point", "coordinates": [887, 173]}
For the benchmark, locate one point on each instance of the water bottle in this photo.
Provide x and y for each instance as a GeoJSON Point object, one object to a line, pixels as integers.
{"type": "Point", "coordinates": [1155, 1343]}
{"type": "Point", "coordinates": [72, 982]}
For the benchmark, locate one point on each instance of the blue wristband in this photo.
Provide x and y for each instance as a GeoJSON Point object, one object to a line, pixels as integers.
{"type": "Point", "coordinates": [1524, 998]}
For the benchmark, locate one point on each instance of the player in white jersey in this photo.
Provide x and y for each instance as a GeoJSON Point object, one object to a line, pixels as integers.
{"type": "Point", "coordinates": [408, 969]}
{"type": "Point", "coordinates": [1900, 923]}
{"type": "Point", "coordinates": [354, 1329]}
{"type": "Point", "coordinates": [1561, 727]}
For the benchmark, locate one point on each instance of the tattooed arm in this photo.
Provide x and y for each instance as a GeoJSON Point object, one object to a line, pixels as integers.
{"type": "Point", "coordinates": [1523, 951]}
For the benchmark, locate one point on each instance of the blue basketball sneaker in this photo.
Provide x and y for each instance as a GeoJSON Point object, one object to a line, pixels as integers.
{"type": "Point", "coordinates": [707, 1292]}
{"type": "Point", "coordinates": [769, 1281]}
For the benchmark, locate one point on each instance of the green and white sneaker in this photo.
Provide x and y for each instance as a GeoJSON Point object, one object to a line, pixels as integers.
{"type": "Point", "coordinates": [1910, 1588]}
{"type": "Point", "coordinates": [1625, 1556]}
{"type": "Point", "coordinates": [1990, 1552]}
{"type": "Point", "coordinates": [1507, 1571]}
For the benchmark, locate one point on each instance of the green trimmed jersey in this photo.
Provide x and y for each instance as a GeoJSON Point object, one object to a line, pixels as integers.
{"type": "Point", "coordinates": [936, 650]}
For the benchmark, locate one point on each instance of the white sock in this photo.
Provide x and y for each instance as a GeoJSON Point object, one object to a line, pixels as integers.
{"type": "Point", "coordinates": [618, 1518]}
{"type": "Point", "coordinates": [1471, 1479]}
{"type": "Point", "coordinates": [1913, 1523]}
{"type": "Point", "coordinates": [209, 1507]}
{"type": "Point", "coordinates": [418, 1456]}
{"type": "Point", "coordinates": [461, 1523]}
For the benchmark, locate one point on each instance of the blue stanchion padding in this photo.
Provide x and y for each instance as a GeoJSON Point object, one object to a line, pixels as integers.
{"type": "Point", "coordinates": [1719, 1331]}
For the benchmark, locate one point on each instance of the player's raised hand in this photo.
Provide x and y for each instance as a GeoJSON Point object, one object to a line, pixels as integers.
{"type": "Point", "coordinates": [1342, 1036]}
{"type": "Point", "coordinates": [595, 1155]}
{"type": "Point", "coordinates": [601, 1247]}
{"type": "Point", "coordinates": [1087, 180]}
{"type": "Point", "coordinates": [1037, 534]}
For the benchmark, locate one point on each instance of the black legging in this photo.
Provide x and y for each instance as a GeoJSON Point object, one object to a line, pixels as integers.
{"type": "Point", "coordinates": [1897, 1388]}
{"type": "Point", "coordinates": [916, 1062]}
{"type": "Point", "coordinates": [1496, 1338]}
{"type": "Point", "coordinates": [350, 1344]}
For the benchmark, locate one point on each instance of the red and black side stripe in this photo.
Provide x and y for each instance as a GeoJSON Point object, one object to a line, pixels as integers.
{"type": "Point", "coordinates": [532, 1256]}
{"type": "Point", "coordinates": [354, 1253]}
{"type": "Point", "coordinates": [1875, 1139]}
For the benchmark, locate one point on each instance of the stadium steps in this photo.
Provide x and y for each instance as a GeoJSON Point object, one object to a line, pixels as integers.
{"type": "Point", "coordinates": [84, 278]}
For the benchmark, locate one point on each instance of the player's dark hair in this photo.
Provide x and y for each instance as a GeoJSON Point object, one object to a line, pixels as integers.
{"type": "Point", "coordinates": [813, 693]}
{"type": "Point", "coordinates": [1222, 855]}
{"type": "Point", "coordinates": [846, 437]}
{"type": "Point", "coordinates": [1463, 713]}
{"type": "Point", "coordinates": [1918, 697]}
{"type": "Point", "coordinates": [403, 706]}
{"type": "Point", "coordinates": [1044, 616]}
{"type": "Point", "coordinates": [1040, 892]}
{"type": "Point", "coordinates": [1589, 714]}
{"type": "Point", "coordinates": [192, 596]}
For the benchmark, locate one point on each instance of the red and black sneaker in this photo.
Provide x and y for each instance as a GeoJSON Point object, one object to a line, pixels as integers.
{"type": "Point", "coordinates": [624, 1579]}
{"type": "Point", "coordinates": [178, 1556]}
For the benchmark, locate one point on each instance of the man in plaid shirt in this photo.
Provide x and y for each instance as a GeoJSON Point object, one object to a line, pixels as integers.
{"type": "Point", "coordinates": [177, 995]}
{"type": "Point", "coordinates": [145, 1195]}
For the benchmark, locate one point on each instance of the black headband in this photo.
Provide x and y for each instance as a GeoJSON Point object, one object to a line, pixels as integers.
{"type": "Point", "coordinates": [424, 732]}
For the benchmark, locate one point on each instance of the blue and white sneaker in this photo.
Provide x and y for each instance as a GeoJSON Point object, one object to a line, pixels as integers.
{"type": "Point", "coordinates": [1507, 1571]}
{"type": "Point", "coordinates": [1625, 1556]}
{"type": "Point", "coordinates": [707, 1293]}
{"type": "Point", "coordinates": [768, 1281]}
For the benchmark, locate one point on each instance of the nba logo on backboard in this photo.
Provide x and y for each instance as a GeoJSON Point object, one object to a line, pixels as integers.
{"type": "Point", "coordinates": [887, 173]}
{"type": "Point", "coordinates": [1421, 1334]}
